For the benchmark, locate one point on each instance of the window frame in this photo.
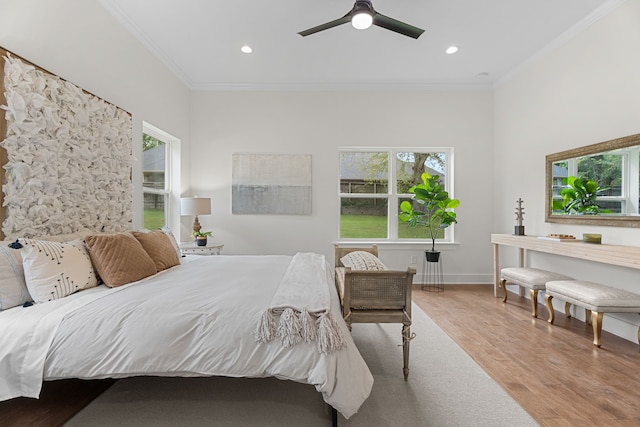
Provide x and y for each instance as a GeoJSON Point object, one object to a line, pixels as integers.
{"type": "Point", "coordinates": [169, 143]}
{"type": "Point", "coordinates": [393, 197]}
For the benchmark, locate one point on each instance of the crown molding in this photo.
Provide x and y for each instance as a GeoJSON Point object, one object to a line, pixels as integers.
{"type": "Point", "coordinates": [343, 87]}
{"type": "Point", "coordinates": [146, 41]}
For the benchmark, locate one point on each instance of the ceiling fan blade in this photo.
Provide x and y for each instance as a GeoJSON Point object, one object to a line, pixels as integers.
{"type": "Point", "coordinates": [394, 25]}
{"type": "Point", "coordinates": [346, 18]}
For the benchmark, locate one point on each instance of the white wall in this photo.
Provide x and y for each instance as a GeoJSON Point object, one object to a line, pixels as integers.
{"type": "Point", "coordinates": [584, 92]}
{"type": "Point", "coordinates": [82, 43]}
{"type": "Point", "coordinates": [317, 123]}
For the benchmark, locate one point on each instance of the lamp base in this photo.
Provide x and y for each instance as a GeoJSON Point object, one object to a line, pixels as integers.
{"type": "Point", "coordinates": [196, 225]}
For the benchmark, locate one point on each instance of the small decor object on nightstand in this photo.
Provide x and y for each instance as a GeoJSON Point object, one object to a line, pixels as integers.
{"type": "Point", "coordinates": [519, 228]}
{"type": "Point", "coordinates": [201, 237]}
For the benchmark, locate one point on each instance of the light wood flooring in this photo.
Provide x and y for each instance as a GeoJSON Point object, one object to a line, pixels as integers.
{"type": "Point", "coordinates": [553, 371]}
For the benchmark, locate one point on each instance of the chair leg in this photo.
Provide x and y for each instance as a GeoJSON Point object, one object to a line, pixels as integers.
{"type": "Point", "coordinates": [406, 340]}
{"type": "Point", "coordinates": [503, 285]}
{"type": "Point", "coordinates": [347, 320]}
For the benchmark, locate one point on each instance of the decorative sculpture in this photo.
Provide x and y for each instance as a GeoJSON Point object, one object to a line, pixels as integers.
{"type": "Point", "coordinates": [519, 228]}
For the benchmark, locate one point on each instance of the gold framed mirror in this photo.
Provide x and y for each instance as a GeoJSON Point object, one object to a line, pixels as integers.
{"type": "Point", "coordinates": [616, 164]}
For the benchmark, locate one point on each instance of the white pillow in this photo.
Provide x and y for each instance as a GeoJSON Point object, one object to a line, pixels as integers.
{"type": "Point", "coordinates": [362, 260]}
{"type": "Point", "coordinates": [13, 289]}
{"type": "Point", "coordinates": [173, 240]}
{"type": "Point", "coordinates": [54, 270]}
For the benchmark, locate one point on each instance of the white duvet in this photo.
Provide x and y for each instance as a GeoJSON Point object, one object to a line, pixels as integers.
{"type": "Point", "coordinates": [195, 319]}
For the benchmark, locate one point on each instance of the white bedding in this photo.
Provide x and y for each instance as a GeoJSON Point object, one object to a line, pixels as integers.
{"type": "Point", "coordinates": [195, 319]}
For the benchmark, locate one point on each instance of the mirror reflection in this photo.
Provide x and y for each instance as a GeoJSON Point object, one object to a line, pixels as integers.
{"type": "Point", "coordinates": [596, 184]}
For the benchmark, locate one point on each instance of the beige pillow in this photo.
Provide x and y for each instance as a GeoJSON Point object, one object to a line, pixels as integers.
{"type": "Point", "coordinates": [119, 258]}
{"type": "Point", "coordinates": [159, 247]}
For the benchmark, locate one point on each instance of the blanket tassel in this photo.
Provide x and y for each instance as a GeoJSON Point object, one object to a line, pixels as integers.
{"type": "Point", "coordinates": [329, 336]}
{"type": "Point", "coordinates": [309, 328]}
{"type": "Point", "coordinates": [290, 328]}
{"type": "Point", "coordinates": [265, 331]}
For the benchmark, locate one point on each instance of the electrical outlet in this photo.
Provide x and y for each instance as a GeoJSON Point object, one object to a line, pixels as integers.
{"type": "Point", "coordinates": [414, 259]}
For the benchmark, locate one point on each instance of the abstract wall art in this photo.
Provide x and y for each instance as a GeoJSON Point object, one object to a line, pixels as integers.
{"type": "Point", "coordinates": [271, 184]}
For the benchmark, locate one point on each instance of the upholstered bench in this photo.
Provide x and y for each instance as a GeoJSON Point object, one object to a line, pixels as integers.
{"type": "Point", "coordinates": [596, 299]}
{"type": "Point", "coordinates": [532, 278]}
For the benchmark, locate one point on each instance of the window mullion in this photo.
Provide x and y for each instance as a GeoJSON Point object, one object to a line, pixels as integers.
{"type": "Point", "coordinates": [392, 204]}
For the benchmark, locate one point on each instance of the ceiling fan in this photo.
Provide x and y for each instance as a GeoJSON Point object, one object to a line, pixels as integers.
{"type": "Point", "coordinates": [362, 16]}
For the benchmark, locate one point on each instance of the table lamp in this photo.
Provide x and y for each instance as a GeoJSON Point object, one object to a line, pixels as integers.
{"type": "Point", "coordinates": [195, 206]}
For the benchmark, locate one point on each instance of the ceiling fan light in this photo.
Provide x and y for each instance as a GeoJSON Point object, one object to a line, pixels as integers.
{"type": "Point", "coordinates": [362, 20]}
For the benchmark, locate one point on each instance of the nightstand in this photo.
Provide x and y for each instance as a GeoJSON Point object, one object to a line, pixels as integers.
{"type": "Point", "coordinates": [190, 248]}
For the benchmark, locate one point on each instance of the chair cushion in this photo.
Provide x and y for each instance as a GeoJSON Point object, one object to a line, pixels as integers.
{"type": "Point", "coordinates": [533, 278]}
{"type": "Point", "coordinates": [595, 296]}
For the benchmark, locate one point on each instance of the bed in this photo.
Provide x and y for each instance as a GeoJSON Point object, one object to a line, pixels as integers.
{"type": "Point", "coordinates": [200, 317]}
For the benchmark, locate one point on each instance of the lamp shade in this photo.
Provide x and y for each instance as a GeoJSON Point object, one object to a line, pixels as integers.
{"type": "Point", "coordinates": [195, 206]}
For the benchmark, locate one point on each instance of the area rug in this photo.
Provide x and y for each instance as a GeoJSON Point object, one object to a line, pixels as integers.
{"type": "Point", "coordinates": [445, 388]}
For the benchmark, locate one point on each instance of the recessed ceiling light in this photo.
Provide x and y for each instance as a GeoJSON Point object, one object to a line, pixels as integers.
{"type": "Point", "coordinates": [452, 49]}
{"type": "Point", "coordinates": [246, 49]}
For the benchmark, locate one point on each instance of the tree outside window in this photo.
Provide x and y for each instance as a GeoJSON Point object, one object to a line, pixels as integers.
{"type": "Point", "coordinates": [373, 183]}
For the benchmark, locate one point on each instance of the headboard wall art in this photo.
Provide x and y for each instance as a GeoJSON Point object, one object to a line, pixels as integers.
{"type": "Point", "coordinates": [66, 156]}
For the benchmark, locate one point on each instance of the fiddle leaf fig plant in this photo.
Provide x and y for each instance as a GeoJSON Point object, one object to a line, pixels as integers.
{"type": "Point", "coordinates": [580, 197]}
{"type": "Point", "coordinates": [434, 207]}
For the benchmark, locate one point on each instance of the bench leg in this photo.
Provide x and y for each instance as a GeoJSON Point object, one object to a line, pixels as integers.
{"type": "Point", "coordinates": [588, 317]}
{"type": "Point", "coordinates": [567, 309]}
{"type": "Point", "coordinates": [503, 285]}
{"type": "Point", "coordinates": [534, 302]}
{"type": "Point", "coordinates": [549, 304]}
{"type": "Point", "coordinates": [596, 318]}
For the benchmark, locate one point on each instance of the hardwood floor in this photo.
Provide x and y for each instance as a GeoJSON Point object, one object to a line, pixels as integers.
{"type": "Point", "coordinates": [59, 401]}
{"type": "Point", "coordinates": [553, 371]}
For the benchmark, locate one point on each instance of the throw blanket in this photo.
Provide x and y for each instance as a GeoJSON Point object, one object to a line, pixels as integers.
{"type": "Point", "coordinates": [299, 310]}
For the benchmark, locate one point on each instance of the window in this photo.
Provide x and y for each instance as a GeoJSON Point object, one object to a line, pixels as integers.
{"type": "Point", "coordinates": [373, 183]}
{"type": "Point", "coordinates": [156, 180]}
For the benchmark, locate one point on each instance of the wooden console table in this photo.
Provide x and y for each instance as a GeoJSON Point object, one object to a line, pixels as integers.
{"type": "Point", "coordinates": [623, 256]}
